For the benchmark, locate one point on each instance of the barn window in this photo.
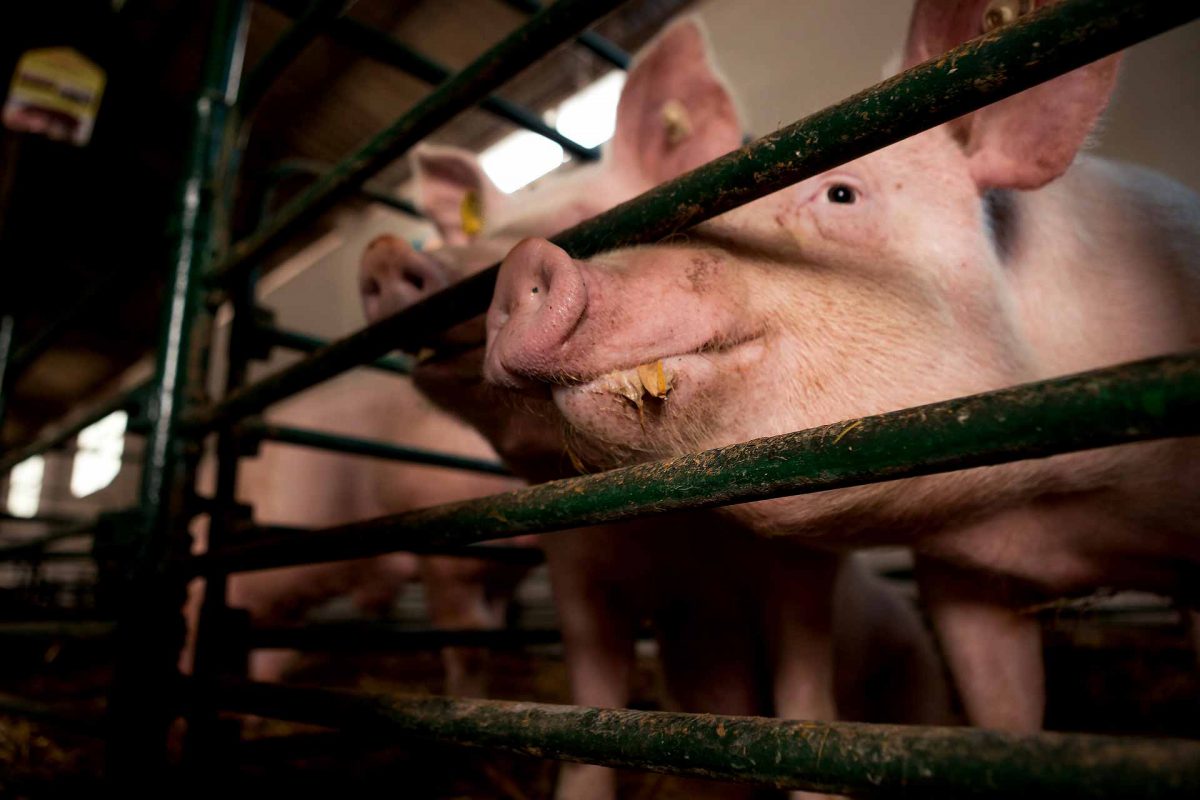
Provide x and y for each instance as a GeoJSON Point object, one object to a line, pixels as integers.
{"type": "Point", "coordinates": [25, 486]}
{"type": "Point", "coordinates": [589, 117]}
{"type": "Point", "coordinates": [98, 459]}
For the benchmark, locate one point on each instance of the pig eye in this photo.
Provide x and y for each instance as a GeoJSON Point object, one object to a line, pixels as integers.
{"type": "Point", "coordinates": [841, 193]}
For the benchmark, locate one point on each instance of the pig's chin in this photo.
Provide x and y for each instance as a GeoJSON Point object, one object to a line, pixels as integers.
{"type": "Point", "coordinates": [661, 408]}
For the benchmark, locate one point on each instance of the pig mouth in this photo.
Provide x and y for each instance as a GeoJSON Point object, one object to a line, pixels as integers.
{"type": "Point", "coordinates": [656, 382]}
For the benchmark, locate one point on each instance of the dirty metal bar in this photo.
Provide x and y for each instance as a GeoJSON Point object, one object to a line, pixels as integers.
{"type": "Point", "coordinates": [313, 22]}
{"type": "Point", "coordinates": [602, 47]}
{"type": "Point", "coordinates": [379, 46]}
{"type": "Point", "coordinates": [516, 52]}
{"type": "Point", "coordinates": [994, 66]}
{"type": "Point", "coordinates": [8, 326]}
{"type": "Point", "coordinates": [1133, 402]}
{"type": "Point", "coordinates": [66, 718]}
{"type": "Point", "coordinates": [304, 343]}
{"type": "Point", "coordinates": [57, 436]}
{"type": "Point", "coordinates": [365, 447]}
{"type": "Point", "coordinates": [306, 166]}
{"type": "Point", "coordinates": [379, 636]}
{"type": "Point", "coordinates": [33, 545]}
{"type": "Point", "coordinates": [151, 593]}
{"type": "Point", "coordinates": [500, 554]}
{"type": "Point", "coordinates": [835, 757]}
{"type": "Point", "coordinates": [84, 631]}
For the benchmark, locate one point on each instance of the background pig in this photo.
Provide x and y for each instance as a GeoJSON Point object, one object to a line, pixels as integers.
{"type": "Point", "coordinates": [305, 487]}
{"type": "Point", "coordinates": [947, 264]}
{"type": "Point", "coordinates": [708, 590]}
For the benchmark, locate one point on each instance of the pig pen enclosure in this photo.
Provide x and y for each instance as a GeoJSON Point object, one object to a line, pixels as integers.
{"type": "Point", "coordinates": [120, 598]}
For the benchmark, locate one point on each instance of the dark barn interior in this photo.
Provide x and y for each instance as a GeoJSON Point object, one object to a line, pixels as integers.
{"type": "Point", "coordinates": [253, 594]}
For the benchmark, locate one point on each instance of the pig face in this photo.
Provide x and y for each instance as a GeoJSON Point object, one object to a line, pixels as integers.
{"type": "Point", "coordinates": [882, 284]}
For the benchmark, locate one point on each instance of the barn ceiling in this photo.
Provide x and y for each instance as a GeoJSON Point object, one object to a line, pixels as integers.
{"type": "Point", "coordinates": [84, 231]}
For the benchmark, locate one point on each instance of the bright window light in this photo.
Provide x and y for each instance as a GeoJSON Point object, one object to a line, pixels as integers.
{"type": "Point", "coordinates": [520, 159]}
{"type": "Point", "coordinates": [25, 486]}
{"type": "Point", "coordinates": [590, 116]}
{"type": "Point", "coordinates": [98, 459]}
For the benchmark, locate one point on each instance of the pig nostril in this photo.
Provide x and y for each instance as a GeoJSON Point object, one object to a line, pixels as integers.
{"type": "Point", "coordinates": [534, 290]}
{"type": "Point", "coordinates": [371, 287]}
{"type": "Point", "coordinates": [415, 278]}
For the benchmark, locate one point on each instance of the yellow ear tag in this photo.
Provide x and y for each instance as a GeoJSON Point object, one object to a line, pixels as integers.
{"type": "Point", "coordinates": [471, 213]}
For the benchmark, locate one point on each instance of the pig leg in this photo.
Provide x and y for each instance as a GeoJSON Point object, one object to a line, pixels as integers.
{"type": "Point", "coordinates": [599, 631]}
{"type": "Point", "coordinates": [799, 619]}
{"type": "Point", "coordinates": [457, 599]}
{"type": "Point", "coordinates": [994, 652]}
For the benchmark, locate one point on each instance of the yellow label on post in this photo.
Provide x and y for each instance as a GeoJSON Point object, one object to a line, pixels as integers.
{"type": "Point", "coordinates": [55, 92]}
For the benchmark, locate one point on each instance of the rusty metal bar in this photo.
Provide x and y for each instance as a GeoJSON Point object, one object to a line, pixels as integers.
{"type": "Point", "coordinates": [1065, 35]}
{"type": "Point", "coordinates": [835, 757]}
{"type": "Point", "coordinates": [364, 447]}
{"type": "Point", "coordinates": [1133, 402]}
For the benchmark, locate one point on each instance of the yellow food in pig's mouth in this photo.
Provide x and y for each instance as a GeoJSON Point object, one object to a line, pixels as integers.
{"type": "Point", "coordinates": [653, 379]}
{"type": "Point", "coordinates": [634, 384]}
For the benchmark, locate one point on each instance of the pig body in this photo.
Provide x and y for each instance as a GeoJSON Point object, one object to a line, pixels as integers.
{"type": "Point", "coordinates": [944, 265]}
{"type": "Point", "coordinates": [739, 620]}
{"type": "Point", "coordinates": [304, 487]}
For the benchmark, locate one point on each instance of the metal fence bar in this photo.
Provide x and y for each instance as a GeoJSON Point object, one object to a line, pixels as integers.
{"type": "Point", "coordinates": [378, 636]}
{"type": "Point", "coordinates": [35, 544]}
{"type": "Point", "coordinates": [1134, 402]}
{"type": "Point", "coordinates": [304, 343]}
{"type": "Point", "coordinates": [67, 718]}
{"type": "Point", "coordinates": [835, 757]}
{"type": "Point", "coordinates": [381, 47]}
{"type": "Point", "coordinates": [1066, 35]}
{"type": "Point", "coordinates": [41, 519]}
{"type": "Point", "coordinates": [501, 554]}
{"type": "Point", "coordinates": [8, 329]}
{"type": "Point", "coordinates": [89, 630]}
{"type": "Point", "coordinates": [57, 436]}
{"type": "Point", "coordinates": [365, 447]}
{"type": "Point", "coordinates": [602, 47]}
{"type": "Point", "coordinates": [313, 22]}
{"type": "Point", "coordinates": [305, 166]}
{"type": "Point", "coordinates": [467, 88]}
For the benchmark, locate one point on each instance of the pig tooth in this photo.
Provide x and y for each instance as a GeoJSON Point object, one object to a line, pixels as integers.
{"type": "Point", "coordinates": [654, 379]}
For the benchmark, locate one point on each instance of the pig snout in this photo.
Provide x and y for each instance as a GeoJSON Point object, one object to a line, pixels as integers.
{"type": "Point", "coordinates": [394, 276]}
{"type": "Point", "coordinates": [540, 298]}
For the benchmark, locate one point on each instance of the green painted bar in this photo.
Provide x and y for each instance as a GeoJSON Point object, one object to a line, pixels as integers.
{"type": "Point", "coordinates": [58, 435]}
{"type": "Point", "coordinates": [304, 343]}
{"type": "Point", "coordinates": [837, 757]}
{"type": "Point", "coordinates": [501, 554]}
{"type": "Point", "coordinates": [547, 30]}
{"type": "Point", "coordinates": [379, 636]}
{"type": "Point", "coordinates": [1065, 35]}
{"type": "Point", "coordinates": [364, 447]}
{"type": "Point", "coordinates": [1133, 402]}
{"type": "Point", "coordinates": [602, 47]}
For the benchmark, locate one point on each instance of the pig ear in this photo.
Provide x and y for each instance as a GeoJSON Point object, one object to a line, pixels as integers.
{"type": "Point", "coordinates": [675, 112]}
{"type": "Point", "coordinates": [453, 192]}
{"type": "Point", "coordinates": [1031, 138]}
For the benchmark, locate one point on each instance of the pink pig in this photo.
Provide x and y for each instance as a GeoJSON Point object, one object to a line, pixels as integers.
{"type": "Point", "coordinates": [311, 488]}
{"type": "Point", "coordinates": [715, 597]}
{"type": "Point", "coordinates": [977, 255]}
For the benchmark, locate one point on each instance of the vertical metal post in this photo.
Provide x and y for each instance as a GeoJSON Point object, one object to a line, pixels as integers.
{"type": "Point", "coordinates": [144, 694]}
{"type": "Point", "coordinates": [7, 325]}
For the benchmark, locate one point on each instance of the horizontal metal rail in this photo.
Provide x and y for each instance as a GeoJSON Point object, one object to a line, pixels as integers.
{"type": "Point", "coordinates": [265, 431]}
{"type": "Point", "coordinates": [1134, 402]}
{"type": "Point", "coordinates": [305, 343]}
{"type": "Point", "coordinates": [500, 554]}
{"type": "Point", "coordinates": [58, 435]}
{"type": "Point", "coordinates": [36, 544]}
{"type": "Point", "coordinates": [1064, 36]}
{"type": "Point", "coordinates": [836, 757]}
{"type": "Point", "coordinates": [89, 630]}
{"type": "Point", "coordinates": [380, 636]}
{"type": "Point", "coordinates": [523, 47]}
{"type": "Point", "coordinates": [308, 166]}
{"type": "Point", "coordinates": [599, 45]}
{"type": "Point", "coordinates": [41, 519]}
{"type": "Point", "coordinates": [66, 718]}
